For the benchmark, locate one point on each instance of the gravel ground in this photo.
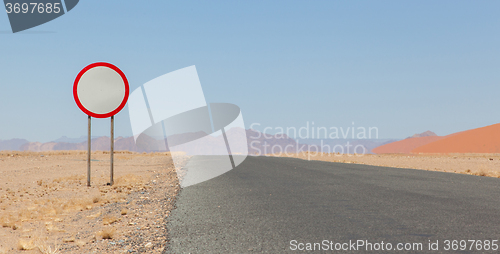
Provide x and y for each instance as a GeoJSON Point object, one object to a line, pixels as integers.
{"type": "Point", "coordinates": [143, 227]}
{"type": "Point", "coordinates": [46, 207]}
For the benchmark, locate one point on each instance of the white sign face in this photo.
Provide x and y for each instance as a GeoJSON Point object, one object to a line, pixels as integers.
{"type": "Point", "coordinates": [101, 90]}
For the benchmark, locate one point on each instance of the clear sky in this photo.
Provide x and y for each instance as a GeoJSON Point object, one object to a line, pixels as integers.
{"type": "Point", "coordinates": [402, 66]}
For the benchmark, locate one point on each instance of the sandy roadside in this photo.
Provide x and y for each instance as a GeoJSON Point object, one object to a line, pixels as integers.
{"type": "Point", "coordinates": [46, 207]}
{"type": "Point", "coordinates": [472, 164]}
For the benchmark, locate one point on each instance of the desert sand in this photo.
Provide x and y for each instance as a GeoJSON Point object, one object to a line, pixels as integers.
{"type": "Point", "coordinates": [480, 140]}
{"type": "Point", "coordinates": [46, 207]}
{"type": "Point", "coordinates": [405, 145]}
{"type": "Point", "coordinates": [471, 164]}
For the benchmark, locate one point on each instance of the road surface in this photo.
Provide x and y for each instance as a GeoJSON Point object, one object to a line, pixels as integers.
{"type": "Point", "coordinates": [276, 205]}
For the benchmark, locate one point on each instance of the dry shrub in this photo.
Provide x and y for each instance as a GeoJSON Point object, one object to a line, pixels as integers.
{"type": "Point", "coordinates": [128, 180]}
{"type": "Point", "coordinates": [25, 244]}
{"type": "Point", "coordinates": [108, 220]}
{"type": "Point", "coordinates": [80, 243]}
{"type": "Point", "coordinates": [116, 198]}
{"type": "Point", "coordinates": [95, 215]}
{"type": "Point", "coordinates": [26, 214]}
{"type": "Point", "coordinates": [69, 179]}
{"type": "Point", "coordinates": [482, 170]}
{"type": "Point", "coordinates": [481, 173]}
{"type": "Point", "coordinates": [124, 211]}
{"type": "Point", "coordinates": [7, 221]}
{"type": "Point", "coordinates": [69, 240]}
{"type": "Point", "coordinates": [10, 222]}
{"type": "Point", "coordinates": [44, 248]}
{"type": "Point", "coordinates": [113, 198]}
{"type": "Point", "coordinates": [51, 228]}
{"type": "Point", "coordinates": [51, 207]}
{"type": "Point", "coordinates": [107, 233]}
{"type": "Point", "coordinates": [76, 204]}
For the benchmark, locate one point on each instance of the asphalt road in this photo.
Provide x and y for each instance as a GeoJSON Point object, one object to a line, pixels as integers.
{"type": "Point", "coordinates": [265, 203]}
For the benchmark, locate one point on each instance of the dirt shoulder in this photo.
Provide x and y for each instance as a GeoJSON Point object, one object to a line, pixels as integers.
{"type": "Point", "coordinates": [46, 207]}
{"type": "Point", "coordinates": [472, 164]}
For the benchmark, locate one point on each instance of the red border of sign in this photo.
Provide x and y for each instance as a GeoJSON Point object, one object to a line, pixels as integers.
{"type": "Point", "coordinates": [77, 80]}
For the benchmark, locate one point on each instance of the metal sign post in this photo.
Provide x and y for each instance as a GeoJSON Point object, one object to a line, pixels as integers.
{"type": "Point", "coordinates": [112, 150]}
{"type": "Point", "coordinates": [101, 90]}
{"type": "Point", "coordinates": [88, 156]}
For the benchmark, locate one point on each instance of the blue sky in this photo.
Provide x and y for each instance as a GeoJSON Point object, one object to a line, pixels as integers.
{"type": "Point", "coordinates": [404, 67]}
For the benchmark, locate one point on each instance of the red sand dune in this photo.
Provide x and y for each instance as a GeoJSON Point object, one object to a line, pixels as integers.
{"type": "Point", "coordinates": [480, 140]}
{"type": "Point", "coordinates": [406, 145]}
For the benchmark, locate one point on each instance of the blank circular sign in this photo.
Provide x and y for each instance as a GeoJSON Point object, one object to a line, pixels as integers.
{"type": "Point", "coordinates": [101, 90]}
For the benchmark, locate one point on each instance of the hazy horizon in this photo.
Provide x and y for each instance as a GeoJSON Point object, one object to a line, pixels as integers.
{"type": "Point", "coordinates": [403, 67]}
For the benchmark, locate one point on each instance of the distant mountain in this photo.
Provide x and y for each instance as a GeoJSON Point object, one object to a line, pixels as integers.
{"type": "Point", "coordinates": [424, 134]}
{"type": "Point", "coordinates": [65, 139]}
{"type": "Point", "coordinates": [480, 140]}
{"type": "Point", "coordinates": [98, 144]}
{"type": "Point", "coordinates": [260, 143]}
{"type": "Point", "coordinates": [202, 143]}
{"type": "Point", "coordinates": [12, 144]}
{"type": "Point", "coordinates": [38, 147]}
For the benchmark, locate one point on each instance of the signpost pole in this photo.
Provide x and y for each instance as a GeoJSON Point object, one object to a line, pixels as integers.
{"type": "Point", "coordinates": [112, 149]}
{"type": "Point", "coordinates": [88, 156]}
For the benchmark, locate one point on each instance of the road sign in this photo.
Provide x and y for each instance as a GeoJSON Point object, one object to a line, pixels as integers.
{"type": "Point", "coordinates": [101, 90]}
